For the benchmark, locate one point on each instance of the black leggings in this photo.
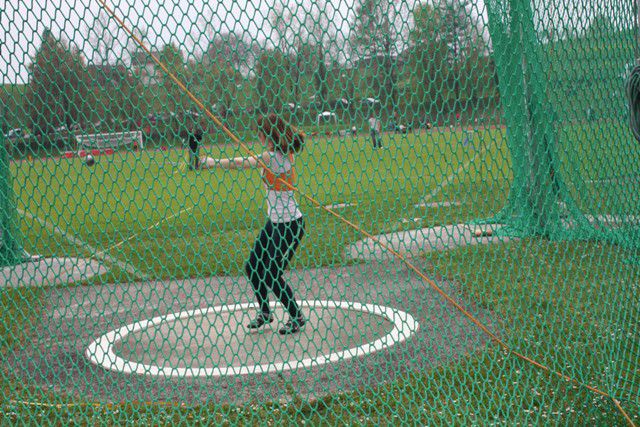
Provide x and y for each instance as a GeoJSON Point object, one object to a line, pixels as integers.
{"type": "Point", "coordinates": [269, 258]}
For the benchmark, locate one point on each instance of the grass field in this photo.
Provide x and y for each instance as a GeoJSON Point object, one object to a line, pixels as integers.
{"type": "Point", "coordinates": [212, 217]}
{"type": "Point", "coordinates": [557, 300]}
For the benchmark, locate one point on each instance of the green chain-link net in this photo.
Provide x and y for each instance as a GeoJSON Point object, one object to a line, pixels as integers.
{"type": "Point", "coordinates": [473, 263]}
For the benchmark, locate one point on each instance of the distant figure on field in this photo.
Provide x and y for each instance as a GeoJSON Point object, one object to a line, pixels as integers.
{"type": "Point", "coordinates": [376, 129]}
{"type": "Point", "coordinates": [193, 139]}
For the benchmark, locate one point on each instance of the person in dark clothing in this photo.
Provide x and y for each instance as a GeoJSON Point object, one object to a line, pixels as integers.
{"type": "Point", "coordinates": [194, 139]}
{"type": "Point", "coordinates": [284, 229]}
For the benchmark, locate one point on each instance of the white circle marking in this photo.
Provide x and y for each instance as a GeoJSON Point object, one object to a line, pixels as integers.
{"type": "Point", "coordinates": [101, 351]}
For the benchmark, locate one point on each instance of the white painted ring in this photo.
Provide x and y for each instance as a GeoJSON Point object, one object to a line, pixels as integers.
{"type": "Point", "coordinates": [101, 351]}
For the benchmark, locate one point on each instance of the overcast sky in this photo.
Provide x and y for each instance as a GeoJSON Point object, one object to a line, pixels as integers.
{"type": "Point", "coordinates": [188, 23]}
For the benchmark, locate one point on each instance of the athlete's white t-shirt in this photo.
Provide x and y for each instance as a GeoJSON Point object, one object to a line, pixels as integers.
{"type": "Point", "coordinates": [281, 205]}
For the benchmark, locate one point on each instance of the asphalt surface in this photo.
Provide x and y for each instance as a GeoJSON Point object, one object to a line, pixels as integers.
{"type": "Point", "coordinates": [199, 351]}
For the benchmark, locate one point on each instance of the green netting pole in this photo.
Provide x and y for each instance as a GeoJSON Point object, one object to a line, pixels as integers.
{"type": "Point", "coordinates": [11, 252]}
{"type": "Point", "coordinates": [532, 205]}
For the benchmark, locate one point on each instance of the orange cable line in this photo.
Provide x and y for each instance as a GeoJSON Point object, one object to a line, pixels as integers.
{"type": "Point", "coordinates": [624, 413]}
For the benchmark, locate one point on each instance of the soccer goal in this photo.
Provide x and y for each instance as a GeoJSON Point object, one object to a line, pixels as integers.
{"type": "Point", "coordinates": [114, 140]}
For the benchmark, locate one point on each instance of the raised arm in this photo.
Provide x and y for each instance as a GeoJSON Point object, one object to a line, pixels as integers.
{"type": "Point", "coordinates": [235, 162]}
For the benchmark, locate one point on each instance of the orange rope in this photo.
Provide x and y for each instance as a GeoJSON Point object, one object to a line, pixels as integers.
{"type": "Point", "coordinates": [431, 283]}
{"type": "Point", "coordinates": [626, 416]}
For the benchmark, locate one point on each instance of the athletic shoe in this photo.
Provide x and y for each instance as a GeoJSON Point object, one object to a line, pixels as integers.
{"type": "Point", "coordinates": [292, 326]}
{"type": "Point", "coordinates": [260, 320]}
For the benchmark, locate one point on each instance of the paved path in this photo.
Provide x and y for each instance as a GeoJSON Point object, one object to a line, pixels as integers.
{"type": "Point", "coordinates": [415, 242]}
{"type": "Point", "coordinates": [49, 272]}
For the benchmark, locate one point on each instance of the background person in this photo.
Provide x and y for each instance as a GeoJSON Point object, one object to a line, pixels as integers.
{"type": "Point", "coordinates": [375, 127]}
{"type": "Point", "coordinates": [194, 138]}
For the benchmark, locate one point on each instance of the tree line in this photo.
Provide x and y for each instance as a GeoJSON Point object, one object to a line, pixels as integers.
{"type": "Point", "coordinates": [428, 61]}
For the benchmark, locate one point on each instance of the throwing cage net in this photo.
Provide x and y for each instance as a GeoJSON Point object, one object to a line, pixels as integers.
{"type": "Point", "coordinates": [456, 241]}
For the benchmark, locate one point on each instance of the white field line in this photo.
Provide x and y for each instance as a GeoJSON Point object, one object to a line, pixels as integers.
{"type": "Point", "coordinates": [180, 212]}
{"type": "Point", "coordinates": [444, 204]}
{"type": "Point", "coordinates": [75, 241]}
{"type": "Point", "coordinates": [451, 178]}
{"type": "Point", "coordinates": [181, 165]}
{"type": "Point", "coordinates": [408, 220]}
{"type": "Point", "coordinates": [614, 219]}
{"type": "Point", "coordinates": [338, 205]}
{"type": "Point", "coordinates": [615, 180]}
{"type": "Point", "coordinates": [101, 351]}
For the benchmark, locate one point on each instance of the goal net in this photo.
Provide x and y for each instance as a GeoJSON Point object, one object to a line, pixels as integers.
{"type": "Point", "coordinates": [116, 141]}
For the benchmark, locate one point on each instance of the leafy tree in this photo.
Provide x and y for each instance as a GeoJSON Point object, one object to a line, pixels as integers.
{"type": "Point", "coordinates": [173, 58]}
{"type": "Point", "coordinates": [12, 102]}
{"type": "Point", "coordinates": [451, 56]}
{"type": "Point", "coordinates": [57, 86]}
{"type": "Point", "coordinates": [289, 39]}
{"type": "Point", "coordinates": [321, 37]}
{"type": "Point", "coordinates": [229, 59]}
{"type": "Point", "coordinates": [303, 34]}
{"type": "Point", "coordinates": [321, 79]}
{"type": "Point", "coordinates": [375, 39]}
{"type": "Point", "coordinates": [428, 55]}
{"type": "Point", "coordinates": [102, 35]}
{"type": "Point", "coordinates": [114, 96]}
{"type": "Point", "coordinates": [271, 86]}
{"type": "Point", "coordinates": [219, 73]}
{"type": "Point", "coordinates": [600, 29]}
{"type": "Point", "coordinates": [231, 48]}
{"type": "Point", "coordinates": [462, 33]}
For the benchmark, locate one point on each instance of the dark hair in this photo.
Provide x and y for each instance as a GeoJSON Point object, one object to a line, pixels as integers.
{"type": "Point", "coordinates": [285, 137]}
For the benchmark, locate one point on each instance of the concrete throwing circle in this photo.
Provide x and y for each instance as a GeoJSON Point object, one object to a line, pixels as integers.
{"type": "Point", "coordinates": [53, 354]}
{"type": "Point", "coordinates": [397, 326]}
{"type": "Point", "coordinates": [41, 272]}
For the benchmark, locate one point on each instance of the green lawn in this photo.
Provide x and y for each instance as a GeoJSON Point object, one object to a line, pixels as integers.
{"type": "Point", "coordinates": [208, 219]}
{"type": "Point", "coordinates": [605, 155]}
{"type": "Point", "coordinates": [568, 305]}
